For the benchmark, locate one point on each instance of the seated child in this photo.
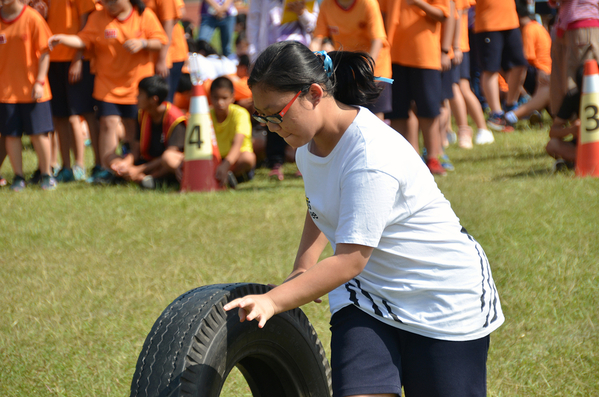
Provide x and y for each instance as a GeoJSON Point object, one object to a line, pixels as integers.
{"type": "Point", "coordinates": [158, 150]}
{"type": "Point", "coordinates": [564, 131]}
{"type": "Point", "coordinates": [233, 129]}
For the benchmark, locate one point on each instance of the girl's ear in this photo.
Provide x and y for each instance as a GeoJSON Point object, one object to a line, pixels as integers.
{"type": "Point", "coordinates": [315, 93]}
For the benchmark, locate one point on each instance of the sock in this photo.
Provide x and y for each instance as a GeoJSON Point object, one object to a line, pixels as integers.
{"type": "Point", "coordinates": [511, 117]}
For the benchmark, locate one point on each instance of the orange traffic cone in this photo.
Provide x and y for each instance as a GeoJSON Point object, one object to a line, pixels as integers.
{"type": "Point", "coordinates": [201, 150]}
{"type": "Point", "coordinates": [587, 154]}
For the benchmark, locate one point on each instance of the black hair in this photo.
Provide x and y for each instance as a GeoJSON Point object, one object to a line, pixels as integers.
{"type": "Point", "coordinates": [522, 9]}
{"type": "Point", "coordinates": [241, 19]}
{"type": "Point", "coordinates": [141, 6]}
{"type": "Point", "coordinates": [289, 66]}
{"type": "Point", "coordinates": [244, 60]}
{"type": "Point", "coordinates": [221, 82]}
{"type": "Point", "coordinates": [154, 86]}
{"type": "Point", "coordinates": [241, 36]}
{"type": "Point", "coordinates": [184, 83]}
{"type": "Point", "coordinates": [205, 48]}
{"type": "Point", "coordinates": [579, 77]}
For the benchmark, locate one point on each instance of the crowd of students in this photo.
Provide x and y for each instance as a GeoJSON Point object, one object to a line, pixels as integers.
{"type": "Point", "coordinates": [70, 66]}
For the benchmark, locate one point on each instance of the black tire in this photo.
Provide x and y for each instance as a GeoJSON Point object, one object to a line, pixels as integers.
{"type": "Point", "coordinates": [194, 344]}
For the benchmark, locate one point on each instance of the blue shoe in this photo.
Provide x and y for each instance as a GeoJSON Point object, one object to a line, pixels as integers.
{"type": "Point", "coordinates": [95, 171]}
{"type": "Point", "coordinates": [35, 178]}
{"type": "Point", "coordinates": [79, 173]}
{"type": "Point", "coordinates": [65, 175]}
{"type": "Point", "coordinates": [48, 182]}
{"type": "Point", "coordinates": [446, 163]}
{"type": "Point", "coordinates": [18, 184]}
{"type": "Point", "coordinates": [498, 122]}
{"type": "Point", "coordinates": [55, 170]}
{"type": "Point", "coordinates": [104, 177]}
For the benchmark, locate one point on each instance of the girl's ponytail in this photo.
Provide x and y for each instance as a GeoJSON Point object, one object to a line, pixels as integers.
{"type": "Point", "coordinates": [141, 6]}
{"type": "Point", "coordinates": [290, 66]}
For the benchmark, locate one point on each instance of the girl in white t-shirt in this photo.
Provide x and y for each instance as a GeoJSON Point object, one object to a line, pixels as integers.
{"type": "Point", "coordinates": [411, 293]}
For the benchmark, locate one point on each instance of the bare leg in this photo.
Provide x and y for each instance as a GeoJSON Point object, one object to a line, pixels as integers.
{"type": "Point", "coordinates": [14, 148]}
{"type": "Point", "coordinates": [64, 133]}
{"type": "Point", "coordinates": [244, 164]}
{"type": "Point", "coordinates": [432, 139]}
{"type": "Point", "coordinates": [78, 140]}
{"type": "Point", "coordinates": [472, 104]}
{"type": "Point", "coordinates": [490, 86]}
{"type": "Point", "coordinates": [539, 101]}
{"type": "Point", "coordinates": [515, 79]}
{"type": "Point", "coordinates": [108, 142]}
{"type": "Point", "coordinates": [41, 144]}
{"type": "Point", "coordinates": [94, 133]}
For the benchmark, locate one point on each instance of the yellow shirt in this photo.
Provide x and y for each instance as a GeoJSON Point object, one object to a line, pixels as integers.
{"type": "Point", "coordinates": [237, 122]}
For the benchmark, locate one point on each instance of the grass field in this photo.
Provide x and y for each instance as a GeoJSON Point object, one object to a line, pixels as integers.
{"type": "Point", "coordinates": [85, 271]}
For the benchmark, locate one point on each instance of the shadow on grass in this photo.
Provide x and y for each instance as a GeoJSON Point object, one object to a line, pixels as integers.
{"type": "Point", "coordinates": [531, 173]}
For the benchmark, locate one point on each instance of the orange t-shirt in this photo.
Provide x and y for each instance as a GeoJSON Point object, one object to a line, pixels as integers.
{"type": "Point", "coordinates": [390, 8]}
{"type": "Point", "coordinates": [178, 51]}
{"type": "Point", "coordinates": [22, 41]}
{"type": "Point", "coordinates": [117, 70]}
{"type": "Point", "coordinates": [165, 10]}
{"type": "Point", "coordinates": [463, 6]}
{"type": "Point", "coordinates": [495, 16]}
{"type": "Point", "coordinates": [417, 38]}
{"type": "Point", "coordinates": [64, 16]}
{"type": "Point", "coordinates": [536, 44]}
{"type": "Point", "coordinates": [353, 29]}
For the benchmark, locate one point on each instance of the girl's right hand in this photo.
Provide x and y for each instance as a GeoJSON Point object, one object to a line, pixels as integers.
{"type": "Point", "coordinates": [253, 307]}
{"type": "Point", "coordinates": [54, 40]}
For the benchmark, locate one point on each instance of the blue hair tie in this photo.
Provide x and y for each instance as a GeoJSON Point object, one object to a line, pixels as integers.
{"type": "Point", "coordinates": [328, 62]}
{"type": "Point", "coordinates": [383, 79]}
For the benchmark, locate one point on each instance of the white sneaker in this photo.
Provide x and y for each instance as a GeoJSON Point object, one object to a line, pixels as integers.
{"type": "Point", "coordinates": [484, 137]}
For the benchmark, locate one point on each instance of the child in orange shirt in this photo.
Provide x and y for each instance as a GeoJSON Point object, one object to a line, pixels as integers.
{"type": "Point", "coordinates": [24, 92]}
{"type": "Point", "coordinates": [71, 84]}
{"type": "Point", "coordinates": [416, 58]}
{"type": "Point", "coordinates": [499, 47]}
{"type": "Point", "coordinates": [121, 37]}
{"type": "Point", "coordinates": [357, 25]}
{"type": "Point", "coordinates": [537, 50]}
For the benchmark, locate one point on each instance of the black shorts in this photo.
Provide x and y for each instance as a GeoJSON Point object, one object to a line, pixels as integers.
{"type": "Point", "coordinates": [448, 79]}
{"type": "Point", "coordinates": [423, 86]}
{"type": "Point", "coordinates": [70, 99]}
{"type": "Point", "coordinates": [115, 109]}
{"type": "Point", "coordinates": [17, 119]}
{"type": "Point", "coordinates": [500, 50]}
{"type": "Point", "coordinates": [371, 357]}
{"type": "Point", "coordinates": [384, 102]}
{"type": "Point", "coordinates": [465, 66]}
{"type": "Point", "coordinates": [530, 83]}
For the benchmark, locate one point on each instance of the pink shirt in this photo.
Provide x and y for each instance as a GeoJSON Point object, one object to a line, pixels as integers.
{"type": "Point", "coordinates": [576, 10]}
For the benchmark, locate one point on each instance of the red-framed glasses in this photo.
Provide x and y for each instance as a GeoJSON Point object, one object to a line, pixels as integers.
{"type": "Point", "coordinates": [278, 117]}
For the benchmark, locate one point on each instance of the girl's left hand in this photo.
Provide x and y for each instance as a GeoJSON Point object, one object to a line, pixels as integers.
{"type": "Point", "coordinates": [135, 45]}
{"type": "Point", "coordinates": [38, 91]}
{"type": "Point", "coordinates": [253, 307]}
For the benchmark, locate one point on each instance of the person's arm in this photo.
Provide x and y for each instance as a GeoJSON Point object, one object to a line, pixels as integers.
{"type": "Point", "coordinates": [230, 159]}
{"type": "Point", "coordinates": [447, 39]}
{"type": "Point", "coordinates": [69, 40]}
{"type": "Point", "coordinates": [161, 67]}
{"type": "Point", "coordinates": [77, 62]}
{"type": "Point", "coordinates": [42, 71]}
{"type": "Point", "coordinates": [375, 48]}
{"type": "Point", "coordinates": [430, 10]}
{"type": "Point", "coordinates": [457, 38]}
{"type": "Point", "coordinates": [560, 128]}
{"type": "Point", "coordinates": [348, 262]}
{"type": "Point", "coordinates": [136, 45]}
{"type": "Point", "coordinates": [311, 245]}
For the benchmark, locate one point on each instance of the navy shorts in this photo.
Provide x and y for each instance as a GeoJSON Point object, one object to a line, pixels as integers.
{"type": "Point", "coordinates": [17, 119]}
{"type": "Point", "coordinates": [465, 66]}
{"type": "Point", "coordinates": [448, 79]}
{"type": "Point", "coordinates": [173, 80]}
{"type": "Point", "coordinates": [500, 50]}
{"type": "Point", "coordinates": [384, 102]}
{"type": "Point", "coordinates": [423, 86]}
{"type": "Point", "coordinates": [70, 99]}
{"type": "Point", "coordinates": [116, 109]}
{"type": "Point", "coordinates": [371, 357]}
{"type": "Point", "coordinates": [530, 83]}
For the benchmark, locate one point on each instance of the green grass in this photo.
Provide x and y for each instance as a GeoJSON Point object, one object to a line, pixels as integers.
{"type": "Point", "coordinates": [85, 271]}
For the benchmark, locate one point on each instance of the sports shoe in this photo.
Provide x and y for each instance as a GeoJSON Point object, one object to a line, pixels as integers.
{"type": "Point", "coordinates": [446, 162]}
{"type": "Point", "coordinates": [79, 173]}
{"type": "Point", "coordinates": [276, 172]}
{"type": "Point", "coordinates": [35, 178]}
{"type": "Point", "coordinates": [499, 123]}
{"type": "Point", "coordinates": [55, 170]}
{"type": "Point", "coordinates": [95, 171]}
{"type": "Point", "coordinates": [231, 180]}
{"type": "Point", "coordinates": [562, 165]}
{"type": "Point", "coordinates": [465, 137]}
{"type": "Point", "coordinates": [452, 137]}
{"type": "Point", "coordinates": [48, 182]}
{"type": "Point", "coordinates": [65, 175]}
{"type": "Point", "coordinates": [148, 182]}
{"type": "Point", "coordinates": [103, 177]}
{"type": "Point", "coordinates": [435, 167]}
{"type": "Point", "coordinates": [510, 108]}
{"type": "Point", "coordinates": [484, 137]}
{"type": "Point", "coordinates": [3, 181]}
{"type": "Point", "coordinates": [18, 184]}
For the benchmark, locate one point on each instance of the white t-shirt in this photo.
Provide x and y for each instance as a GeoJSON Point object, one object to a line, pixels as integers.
{"type": "Point", "coordinates": [426, 275]}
